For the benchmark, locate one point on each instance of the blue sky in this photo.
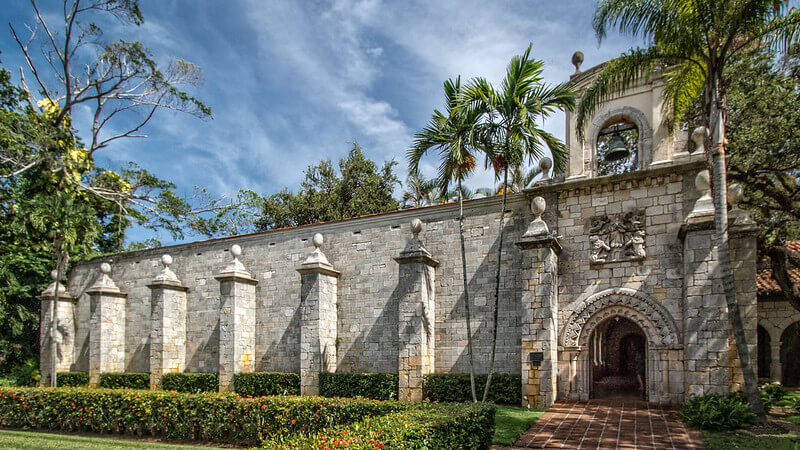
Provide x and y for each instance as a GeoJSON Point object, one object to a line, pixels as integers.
{"type": "Point", "coordinates": [292, 82]}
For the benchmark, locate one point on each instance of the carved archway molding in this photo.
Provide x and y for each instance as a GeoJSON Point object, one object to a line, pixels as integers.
{"type": "Point", "coordinates": [656, 322]}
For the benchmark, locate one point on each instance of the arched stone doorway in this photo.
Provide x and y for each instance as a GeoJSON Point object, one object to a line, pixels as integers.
{"type": "Point", "coordinates": [764, 352]}
{"type": "Point", "coordinates": [790, 355]}
{"type": "Point", "coordinates": [663, 378]}
{"type": "Point", "coordinates": [618, 354]}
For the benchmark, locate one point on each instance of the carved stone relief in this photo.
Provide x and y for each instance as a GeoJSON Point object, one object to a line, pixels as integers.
{"type": "Point", "coordinates": [617, 237]}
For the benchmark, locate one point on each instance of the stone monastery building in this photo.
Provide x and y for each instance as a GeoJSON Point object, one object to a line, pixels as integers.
{"type": "Point", "coordinates": [608, 270]}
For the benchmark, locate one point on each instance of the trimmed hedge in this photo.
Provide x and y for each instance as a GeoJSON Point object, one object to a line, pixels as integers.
{"type": "Point", "coordinates": [72, 379]}
{"type": "Point", "coordinates": [266, 383]}
{"type": "Point", "coordinates": [125, 380]}
{"type": "Point", "coordinates": [190, 382]}
{"type": "Point", "coordinates": [227, 418]}
{"type": "Point", "coordinates": [377, 386]}
{"type": "Point", "coordinates": [420, 426]}
{"type": "Point", "coordinates": [454, 387]}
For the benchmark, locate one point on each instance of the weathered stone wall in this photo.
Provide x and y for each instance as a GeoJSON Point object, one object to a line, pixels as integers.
{"type": "Point", "coordinates": [775, 316]}
{"type": "Point", "coordinates": [363, 250]}
{"type": "Point", "coordinates": [645, 281]}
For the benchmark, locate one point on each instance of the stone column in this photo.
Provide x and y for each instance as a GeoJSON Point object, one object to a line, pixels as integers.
{"type": "Point", "coordinates": [237, 321]}
{"type": "Point", "coordinates": [416, 316]}
{"type": "Point", "coordinates": [775, 366]}
{"type": "Point", "coordinates": [167, 324]}
{"type": "Point", "coordinates": [318, 318]}
{"type": "Point", "coordinates": [706, 351]}
{"type": "Point", "coordinates": [64, 332]}
{"type": "Point", "coordinates": [742, 231]}
{"type": "Point", "coordinates": [539, 324]}
{"type": "Point", "coordinates": [107, 327]}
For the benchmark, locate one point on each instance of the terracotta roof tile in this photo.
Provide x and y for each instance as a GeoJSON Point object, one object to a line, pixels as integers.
{"type": "Point", "coordinates": [766, 283]}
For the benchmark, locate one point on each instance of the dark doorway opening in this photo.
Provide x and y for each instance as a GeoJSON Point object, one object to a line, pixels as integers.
{"type": "Point", "coordinates": [618, 359]}
{"type": "Point", "coordinates": [790, 349]}
{"type": "Point", "coordinates": [764, 352]}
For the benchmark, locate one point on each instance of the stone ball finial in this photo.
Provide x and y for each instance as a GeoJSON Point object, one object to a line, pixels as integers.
{"type": "Point", "coordinates": [735, 193]}
{"type": "Point", "coordinates": [545, 164]}
{"type": "Point", "coordinates": [416, 226]}
{"type": "Point", "coordinates": [105, 268]}
{"type": "Point", "coordinates": [54, 275]}
{"type": "Point", "coordinates": [166, 260]}
{"type": "Point", "coordinates": [538, 205]}
{"type": "Point", "coordinates": [577, 60]}
{"type": "Point", "coordinates": [702, 181]}
{"type": "Point", "coordinates": [317, 240]}
{"type": "Point", "coordinates": [699, 138]}
{"type": "Point", "coordinates": [236, 251]}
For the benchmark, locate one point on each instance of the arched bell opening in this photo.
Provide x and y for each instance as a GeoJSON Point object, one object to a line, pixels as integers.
{"type": "Point", "coordinates": [618, 359]}
{"type": "Point", "coordinates": [617, 146]}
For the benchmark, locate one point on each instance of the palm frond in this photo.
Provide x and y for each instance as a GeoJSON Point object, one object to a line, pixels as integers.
{"type": "Point", "coordinates": [616, 77]}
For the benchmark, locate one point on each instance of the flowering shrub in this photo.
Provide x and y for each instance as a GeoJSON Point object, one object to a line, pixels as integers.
{"type": "Point", "coordinates": [419, 426]}
{"type": "Point", "coordinates": [72, 379]}
{"type": "Point", "coordinates": [266, 383]}
{"type": "Point", "coordinates": [227, 418]}
{"type": "Point", "coordinates": [378, 386]}
{"type": "Point", "coordinates": [771, 394]}
{"type": "Point", "coordinates": [454, 387]}
{"type": "Point", "coordinates": [190, 382]}
{"type": "Point", "coordinates": [125, 380]}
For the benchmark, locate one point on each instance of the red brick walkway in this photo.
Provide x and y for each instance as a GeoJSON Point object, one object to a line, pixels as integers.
{"type": "Point", "coordinates": [606, 424]}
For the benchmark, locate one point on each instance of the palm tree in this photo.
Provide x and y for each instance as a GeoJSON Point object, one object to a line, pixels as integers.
{"type": "Point", "coordinates": [509, 135]}
{"type": "Point", "coordinates": [420, 192]}
{"type": "Point", "coordinates": [451, 133]}
{"type": "Point", "coordinates": [693, 41]}
{"type": "Point", "coordinates": [520, 180]}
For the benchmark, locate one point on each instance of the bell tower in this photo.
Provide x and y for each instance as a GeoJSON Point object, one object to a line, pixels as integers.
{"type": "Point", "coordinates": [630, 132]}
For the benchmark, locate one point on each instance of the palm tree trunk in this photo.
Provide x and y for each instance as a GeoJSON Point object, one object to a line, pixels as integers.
{"type": "Point", "coordinates": [60, 257]}
{"type": "Point", "coordinates": [466, 292]}
{"type": "Point", "coordinates": [497, 286]}
{"type": "Point", "coordinates": [720, 191]}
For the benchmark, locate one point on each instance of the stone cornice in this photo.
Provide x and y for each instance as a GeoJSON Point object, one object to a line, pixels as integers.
{"type": "Point", "coordinates": [237, 276]}
{"type": "Point", "coordinates": [173, 285]}
{"type": "Point", "coordinates": [317, 267]}
{"type": "Point", "coordinates": [106, 291]}
{"type": "Point", "coordinates": [416, 257]}
{"type": "Point", "coordinates": [692, 163]}
{"type": "Point", "coordinates": [540, 242]}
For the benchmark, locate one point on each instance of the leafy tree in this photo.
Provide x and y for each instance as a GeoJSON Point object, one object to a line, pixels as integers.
{"type": "Point", "coordinates": [48, 173]}
{"type": "Point", "coordinates": [362, 188]}
{"type": "Point", "coordinates": [764, 147]}
{"type": "Point", "coordinates": [509, 136]}
{"type": "Point", "coordinates": [452, 133]}
{"type": "Point", "coordinates": [694, 42]}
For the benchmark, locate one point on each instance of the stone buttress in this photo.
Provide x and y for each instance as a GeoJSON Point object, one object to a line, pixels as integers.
{"type": "Point", "coordinates": [416, 316]}
{"type": "Point", "coordinates": [64, 330]}
{"type": "Point", "coordinates": [107, 327]}
{"type": "Point", "coordinates": [237, 321]}
{"type": "Point", "coordinates": [318, 319]}
{"type": "Point", "coordinates": [167, 324]}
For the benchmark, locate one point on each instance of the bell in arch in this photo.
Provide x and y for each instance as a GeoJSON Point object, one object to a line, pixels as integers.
{"type": "Point", "coordinates": [617, 149]}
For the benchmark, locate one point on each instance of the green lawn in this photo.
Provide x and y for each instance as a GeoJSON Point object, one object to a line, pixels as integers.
{"type": "Point", "coordinates": [510, 422]}
{"type": "Point", "coordinates": [725, 441]}
{"type": "Point", "coordinates": [35, 440]}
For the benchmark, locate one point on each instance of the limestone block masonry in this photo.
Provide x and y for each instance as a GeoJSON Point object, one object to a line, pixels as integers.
{"type": "Point", "coordinates": [237, 323]}
{"type": "Point", "coordinates": [416, 316]}
{"type": "Point", "coordinates": [580, 252]}
{"type": "Point", "coordinates": [168, 324]}
{"type": "Point", "coordinates": [64, 330]}
{"type": "Point", "coordinates": [318, 300]}
{"type": "Point", "coordinates": [107, 327]}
